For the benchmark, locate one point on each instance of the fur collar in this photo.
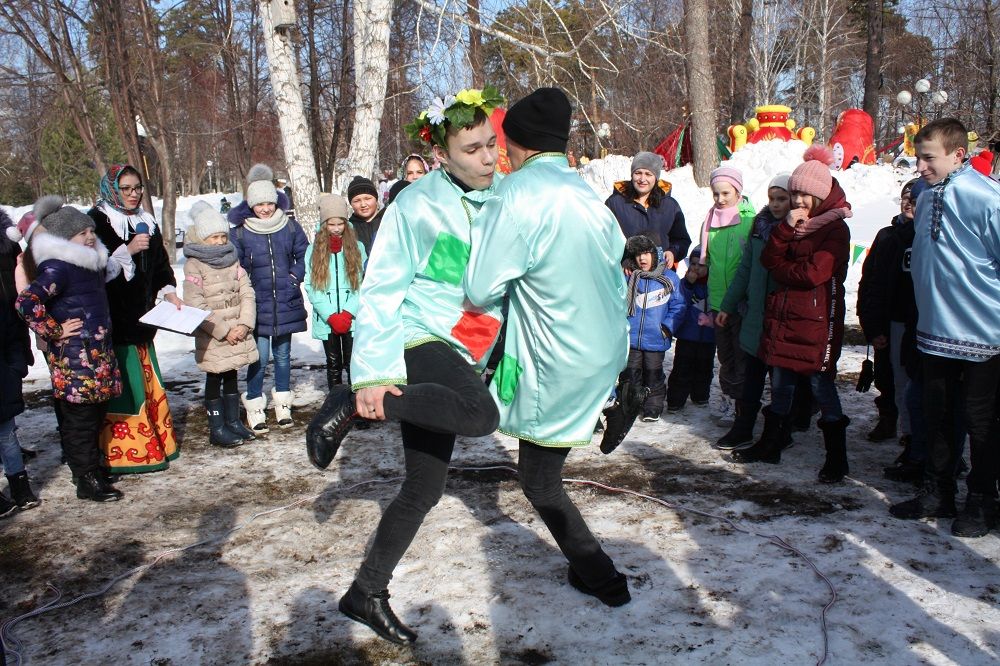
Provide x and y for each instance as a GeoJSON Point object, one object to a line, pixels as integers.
{"type": "Point", "coordinates": [45, 246]}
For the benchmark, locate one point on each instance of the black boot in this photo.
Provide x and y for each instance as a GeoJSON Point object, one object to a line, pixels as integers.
{"type": "Point", "coordinates": [931, 501]}
{"type": "Point", "coordinates": [20, 491]}
{"type": "Point", "coordinates": [28, 454]}
{"type": "Point", "coordinates": [621, 415]}
{"type": "Point", "coordinates": [373, 611]}
{"type": "Point", "coordinates": [231, 415]}
{"type": "Point", "coordinates": [330, 425]}
{"type": "Point", "coordinates": [977, 518]}
{"type": "Point", "coordinates": [218, 433]}
{"type": "Point", "coordinates": [772, 440]}
{"type": "Point", "coordinates": [91, 486]}
{"type": "Point", "coordinates": [612, 593]}
{"type": "Point", "coordinates": [835, 441]}
{"type": "Point", "coordinates": [741, 434]}
{"type": "Point", "coordinates": [884, 429]}
{"type": "Point", "coordinates": [7, 507]}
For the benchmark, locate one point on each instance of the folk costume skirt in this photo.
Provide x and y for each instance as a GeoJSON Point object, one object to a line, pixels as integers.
{"type": "Point", "coordinates": [138, 433]}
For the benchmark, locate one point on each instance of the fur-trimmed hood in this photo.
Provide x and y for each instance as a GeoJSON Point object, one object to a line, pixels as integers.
{"type": "Point", "coordinates": [45, 246]}
{"type": "Point", "coordinates": [620, 186]}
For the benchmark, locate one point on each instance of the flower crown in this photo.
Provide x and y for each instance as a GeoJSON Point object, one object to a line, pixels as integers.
{"type": "Point", "coordinates": [456, 111]}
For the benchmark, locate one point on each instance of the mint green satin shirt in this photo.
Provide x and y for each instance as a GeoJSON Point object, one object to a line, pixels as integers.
{"type": "Point", "coordinates": [548, 240]}
{"type": "Point", "coordinates": [412, 292]}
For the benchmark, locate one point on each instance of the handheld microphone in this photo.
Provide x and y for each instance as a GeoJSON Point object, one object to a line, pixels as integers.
{"type": "Point", "coordinates": [142, 228]}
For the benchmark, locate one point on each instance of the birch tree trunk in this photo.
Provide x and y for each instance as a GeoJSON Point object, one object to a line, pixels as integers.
{"type": "Point", "coordinates": [371, 76]}
{"type": "Point", "coordinates": [701, 90]}
{"type": "Point", "coordinates": [291, 121]}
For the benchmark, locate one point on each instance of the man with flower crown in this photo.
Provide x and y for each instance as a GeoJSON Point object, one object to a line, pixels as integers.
{"type": "Point", "coordinates": [419, 344]}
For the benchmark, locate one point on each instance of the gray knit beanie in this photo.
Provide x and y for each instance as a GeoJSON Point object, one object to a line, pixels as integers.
{"type": "Point", "coordinates": [59, 220]}
{"type": "Point", "coordinates": [649, 161]}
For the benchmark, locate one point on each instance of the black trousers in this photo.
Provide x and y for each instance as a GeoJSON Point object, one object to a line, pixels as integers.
{"type": "Point", "coordinates": [646, 369]}
{"type": "Point", "coordinates": [955, 384]}
{"type": "Point", "coordinates": [338, 358]}
{"type": "Point", "coordinates": [691, 375]}
{"type": "Point", "coordinates": [218, 384]}
{"type": "Point", "coordinates": [540, 472]}
{"type": "Point", "coordinates": [444, 396]}
{"type": "Point", "coordinates": [78, 435]}
{"type": "Point", "coordinates": [885, 402]}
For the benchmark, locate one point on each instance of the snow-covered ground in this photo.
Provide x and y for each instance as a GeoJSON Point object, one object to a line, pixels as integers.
{"type": "Point", "coordinates": [279, 541]}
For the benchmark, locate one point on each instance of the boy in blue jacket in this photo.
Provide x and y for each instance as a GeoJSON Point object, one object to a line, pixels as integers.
{"type": "Point", "coordinates": [694, 358]}
{"type": "Point", "coordinates": [655, 306]}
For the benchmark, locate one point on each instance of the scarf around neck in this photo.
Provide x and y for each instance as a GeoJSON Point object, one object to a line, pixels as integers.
{"type": "Point", "coordinates": [216, 256]}
{"type": "Point", "coordinates": [124, 223]}
{"type": "Point", "coordinates": [717, 218]}
{"type": "Point", "coordinates": [272, 224]}
{"type": "Point", "coordinates": [656, 275]}
{"type": "Point", "coordinates": [336, 244]}
{"type": "Point", "coordinates": [834, 207]}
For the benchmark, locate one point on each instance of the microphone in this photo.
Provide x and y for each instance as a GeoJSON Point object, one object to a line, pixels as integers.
{"type": "Point", "coordinates": [142, 228]}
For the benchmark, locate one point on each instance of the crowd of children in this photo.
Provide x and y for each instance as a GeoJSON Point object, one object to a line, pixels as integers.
{"type": "Point", "coordinates": [762, 290]}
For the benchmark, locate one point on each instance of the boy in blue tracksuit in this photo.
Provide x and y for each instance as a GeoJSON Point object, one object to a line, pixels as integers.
{"type": "Point", "coordinates": [694, 357]}
{"type": "Point", "coordinates": [655, 305]}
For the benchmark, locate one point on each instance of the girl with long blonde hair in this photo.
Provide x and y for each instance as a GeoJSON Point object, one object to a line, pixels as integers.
{"type": "Point", "coordinates": [334, 268]}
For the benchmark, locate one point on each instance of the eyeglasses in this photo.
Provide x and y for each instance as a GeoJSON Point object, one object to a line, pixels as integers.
{"type": "Point", "coordinates": [130, 190]}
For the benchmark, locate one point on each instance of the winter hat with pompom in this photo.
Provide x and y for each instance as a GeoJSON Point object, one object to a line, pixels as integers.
{"type": "Point", "coordinates": [983, 162]}
{"type": "Point", "coordinates": [260, 185]}
{"type": "Point", "coordinates": [730, 175]}
{"type": "Point", "coordinates": [813, 176]}
{"type": "Point", "coordinates": [207, 221]}
{"type": "Point", "coordinates": [23, 229]}
{"type": "Point", "coordinates": [59, 220]}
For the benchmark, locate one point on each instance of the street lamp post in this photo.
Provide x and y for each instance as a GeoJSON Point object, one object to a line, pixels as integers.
{"type": "Point", "coordinates": [208, 163]}
{"type": "Point", "coordinates": [922, 87]}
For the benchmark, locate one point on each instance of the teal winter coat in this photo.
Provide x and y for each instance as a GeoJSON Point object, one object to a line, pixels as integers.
{"type": "Point", "coordinates": [337, 297]}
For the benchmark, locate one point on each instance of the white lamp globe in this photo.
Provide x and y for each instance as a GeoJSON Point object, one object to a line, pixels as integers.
{"type": "Point", "coordinates": [922, 86]}
{"type": "Point", "coordinates": [900, 129]}
{"type": "Point", "coordinates": [904, 97]}
{"type": "Point", "coordinates": [939, 97]}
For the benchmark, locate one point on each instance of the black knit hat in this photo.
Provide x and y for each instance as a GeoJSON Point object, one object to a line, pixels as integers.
{"type": "Point", "coordinates": [361, 185]}
{"type": "Point", "coordinates": [540, 121]}
{"type": "Point", "coordinates": [396, 188]}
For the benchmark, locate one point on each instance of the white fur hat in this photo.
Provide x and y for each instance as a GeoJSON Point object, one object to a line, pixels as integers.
{"type": "Point", "coordinates": [781, 180]}
{"type": "Point", "coordinates": [207, 220]}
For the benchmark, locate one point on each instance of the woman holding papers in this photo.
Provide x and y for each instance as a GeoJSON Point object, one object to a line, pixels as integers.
{"type": "Point", "coordinates": [138, 433]}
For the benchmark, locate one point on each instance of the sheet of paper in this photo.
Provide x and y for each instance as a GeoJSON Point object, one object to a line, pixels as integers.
{"type": "Point", "coordinates": [166, 315]}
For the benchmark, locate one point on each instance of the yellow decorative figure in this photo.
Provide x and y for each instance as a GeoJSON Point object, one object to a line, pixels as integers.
{"type": "Point", "coordinates": [737, 137]}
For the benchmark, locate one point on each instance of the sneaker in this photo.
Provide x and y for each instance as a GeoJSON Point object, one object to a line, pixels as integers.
{"type": "Point", "coordinates": [650, 417]}
{"type": "Point", "coordinates": [724, 411]}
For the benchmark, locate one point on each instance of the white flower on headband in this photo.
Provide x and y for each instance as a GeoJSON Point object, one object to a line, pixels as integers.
{"type": "Point", "coordinates": [435, 112]}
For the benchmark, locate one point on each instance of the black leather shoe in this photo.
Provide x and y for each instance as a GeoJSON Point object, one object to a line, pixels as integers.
{"type": "Point", "coordinates": [622, 414]}
{"type": "Point", "coordinates": [330, 425]}
{"type": "Point", "coordinates": [373, 611]}
{"type": "Point", "coordinates": [613, 593]}
{"type": "Point", "coordinates": [91, 486]}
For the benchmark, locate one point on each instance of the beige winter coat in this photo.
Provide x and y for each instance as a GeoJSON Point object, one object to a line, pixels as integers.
{"type": "Point", "coordinates": [227, 293]}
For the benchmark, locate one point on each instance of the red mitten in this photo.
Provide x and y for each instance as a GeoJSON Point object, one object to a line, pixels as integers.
{"type": "Point", "coordinates": [340, 322]}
